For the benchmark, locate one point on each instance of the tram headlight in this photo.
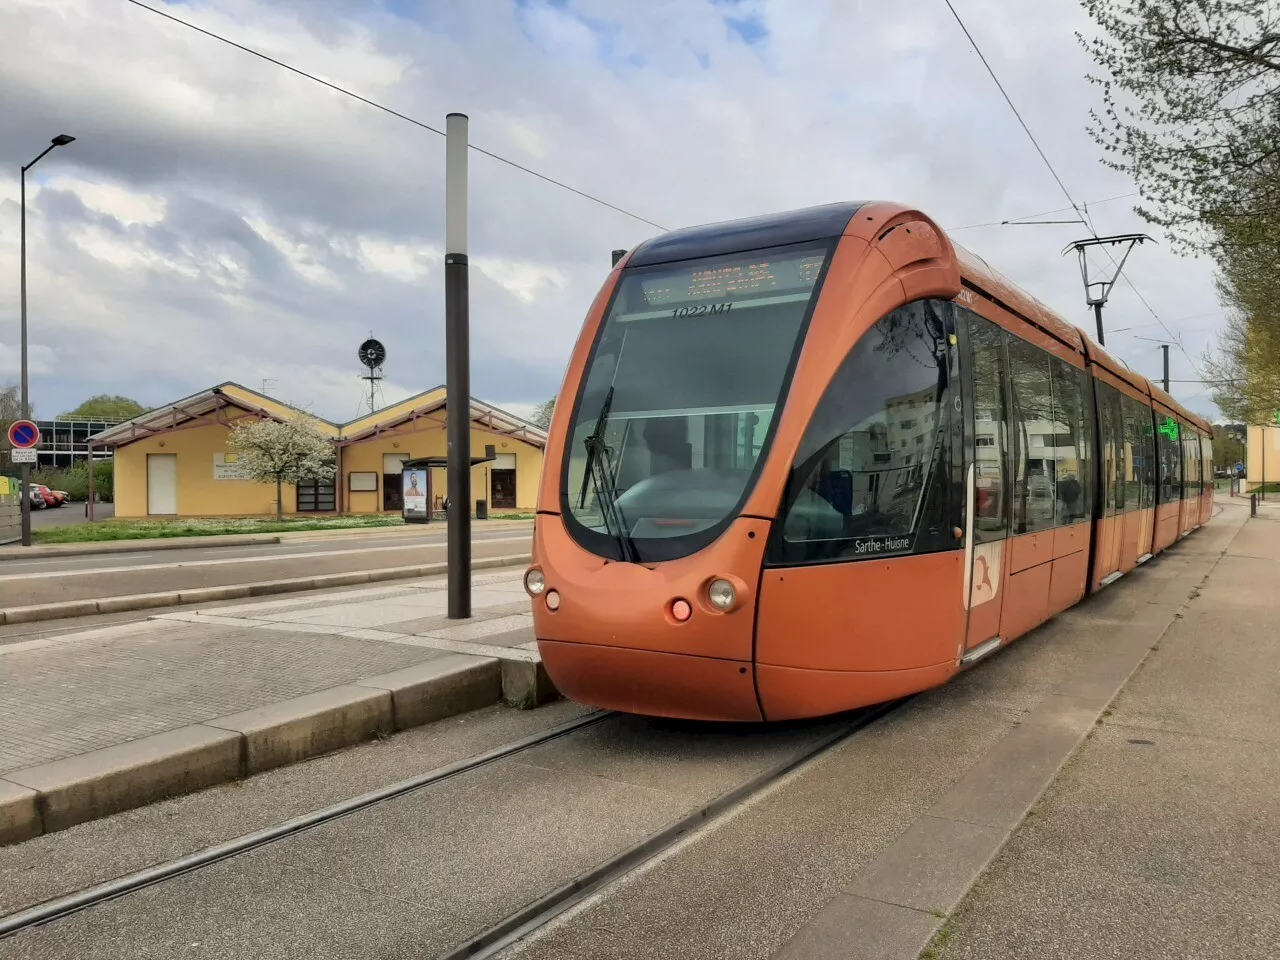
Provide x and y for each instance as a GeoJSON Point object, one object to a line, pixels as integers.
{"type": "Point", "coordinates": [722, 594]}
{"type": "Point", "coordinates": [553, 601]}
{"type": "Point", "coordinates": [534, 582]}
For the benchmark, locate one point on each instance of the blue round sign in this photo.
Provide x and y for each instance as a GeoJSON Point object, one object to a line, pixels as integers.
{"type": "Point", "coordinates": [23, 434]}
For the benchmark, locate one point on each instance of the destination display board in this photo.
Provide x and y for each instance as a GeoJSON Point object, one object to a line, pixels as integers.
{"type": "Point", "coordinates": [733, 281]}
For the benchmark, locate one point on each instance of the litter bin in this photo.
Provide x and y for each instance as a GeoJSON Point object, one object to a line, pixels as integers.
{"type": "Point", "coordinates": [482, 509]}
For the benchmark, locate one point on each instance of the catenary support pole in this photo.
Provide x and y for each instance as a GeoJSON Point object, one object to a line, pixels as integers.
{"type": "Point", "coordinates": [457, 365]}
{"type": "Point", "coordinates": [1164, 347]}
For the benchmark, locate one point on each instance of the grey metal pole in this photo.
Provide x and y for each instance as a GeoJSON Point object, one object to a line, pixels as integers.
{"type": "Point", "coordinates": [61, 140]}
{"type": "Point", "coordinates": [457, 365]}
{"type": "Point", "coordinates": [1165, 348]}
{"type": "Point", "coordinates": [25, 489]}
{"type": "Point", "coordinates": [1097, 313]}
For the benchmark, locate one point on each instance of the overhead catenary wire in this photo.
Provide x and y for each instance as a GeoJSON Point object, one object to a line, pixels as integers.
{"type": "Point", "coordinates": [394, 113]}
{"type": "Point", "coordinates": [1082, 211]}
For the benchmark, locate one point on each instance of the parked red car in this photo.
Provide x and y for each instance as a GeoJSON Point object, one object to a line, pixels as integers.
{"type": "Point", "coordinates": [50, 500]}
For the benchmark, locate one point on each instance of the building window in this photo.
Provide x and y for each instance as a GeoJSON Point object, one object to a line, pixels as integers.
{"type": "Point", "coordinates": [316, 497]}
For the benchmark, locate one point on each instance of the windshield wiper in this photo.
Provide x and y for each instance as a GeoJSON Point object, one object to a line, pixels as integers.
{"type": "Point", "coordinates": [599, 469]}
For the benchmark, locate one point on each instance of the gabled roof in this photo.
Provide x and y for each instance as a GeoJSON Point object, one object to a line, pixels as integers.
{"type": "Point", "coordinates": [205, 407]}
{"type": "Point", "coordinates": [209, 407]}
{"type": "Point", "coordinates": [490, 417]}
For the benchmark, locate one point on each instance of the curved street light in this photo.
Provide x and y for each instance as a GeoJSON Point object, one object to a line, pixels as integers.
{"type": "Point", "coordinates": [61, 140]}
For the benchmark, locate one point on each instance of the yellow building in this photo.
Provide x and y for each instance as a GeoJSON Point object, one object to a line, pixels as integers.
{"type": "Point", "coordinates": [1263, 464]}
{"type": "Point", "coordinates": [174, 461]}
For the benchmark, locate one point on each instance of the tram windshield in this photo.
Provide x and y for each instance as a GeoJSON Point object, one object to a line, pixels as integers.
{"type": "Point", "coordinates": [677, 404]}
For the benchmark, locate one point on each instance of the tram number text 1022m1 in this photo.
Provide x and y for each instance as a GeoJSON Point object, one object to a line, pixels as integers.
{"type": "Point", "coordinates": [702, 310]}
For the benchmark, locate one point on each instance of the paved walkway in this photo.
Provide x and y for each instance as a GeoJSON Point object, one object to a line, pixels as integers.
{"type": "Point", "coordinates": [1162, 837]}
{"type": "Point", "coordinates": [66, 695]}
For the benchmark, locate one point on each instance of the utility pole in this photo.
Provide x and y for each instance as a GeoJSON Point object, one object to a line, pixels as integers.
{"type": "Point", "coordinates": [24, 498]}
{"type": "Point", "coordinates": [1164, 347]}
{"type": "Point", "coordinates": [1097, 291]}
{"type": "Point", "coordinates": [457, 365]}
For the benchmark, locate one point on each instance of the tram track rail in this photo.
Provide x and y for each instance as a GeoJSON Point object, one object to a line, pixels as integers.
{"type": "Point", "coordinates": [529, 919]}
{"type": "Point", "coordinates": [63, 906]}
{"type": "Point", "coordinates": [517, 926]}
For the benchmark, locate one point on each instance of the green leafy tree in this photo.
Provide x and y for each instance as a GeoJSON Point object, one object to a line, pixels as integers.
{"type": "Point", "coordinates": [542, 413]}
{"type": "Point", "coordinates": [1244, 365]}
{"type": "Point", "coordinates": [1191, 112]}
{"type": "Point", "coordinates": [292, 451]}
{"type": "Point", "coordinates": [106, 407]}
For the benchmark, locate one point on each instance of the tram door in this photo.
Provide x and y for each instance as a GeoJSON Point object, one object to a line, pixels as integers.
{"type": "Point", "coordinates": [986, 472]}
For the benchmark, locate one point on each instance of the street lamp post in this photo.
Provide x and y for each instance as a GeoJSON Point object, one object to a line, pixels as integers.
{"type": "Point", "coordinates": [25, 491]}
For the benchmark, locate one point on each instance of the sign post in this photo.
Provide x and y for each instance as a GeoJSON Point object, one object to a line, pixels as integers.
{"type": "Point", "coordinates": [24, 436]}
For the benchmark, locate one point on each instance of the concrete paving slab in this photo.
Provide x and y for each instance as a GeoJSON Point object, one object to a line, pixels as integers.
{"type": "Point", "coordinates": [143, 679]}
{"type": "Point", "coordinates": [1168, 849]}
{"type": "Point", "coordinates": [853, 928]}
{"type": "Point", "coordinates": [486, 628]}
{"type": "Point", "coordinates": [19, 816]}
{"type": "Point", "coordinates": [931, 866]}
{"type": "Point", "coordinates": [309, 725]}
{"type": "Point", "coordinates": [444, 687]}
{"type": "Point", "coordinates": [1001, 787]}
{"type": "Point", "coordinates": [130, 774]}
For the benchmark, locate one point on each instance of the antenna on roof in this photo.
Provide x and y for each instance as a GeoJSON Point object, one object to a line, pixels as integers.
{"type": "Point", "coordinates": [372, 354]}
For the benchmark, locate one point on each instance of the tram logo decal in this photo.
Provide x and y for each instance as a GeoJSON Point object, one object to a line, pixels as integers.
{"type": "Point", "coordinates": [985, 584]}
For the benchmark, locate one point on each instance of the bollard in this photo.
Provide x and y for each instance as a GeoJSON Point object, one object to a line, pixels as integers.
{"type": "Point", "coordinates": [1253, 504]}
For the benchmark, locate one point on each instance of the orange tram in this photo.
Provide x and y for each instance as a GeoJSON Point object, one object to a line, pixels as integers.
{"type": "Point", "coordinates": [810, 461]}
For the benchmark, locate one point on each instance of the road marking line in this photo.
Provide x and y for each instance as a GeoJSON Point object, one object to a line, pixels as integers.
{"type": "Point", "coordinates": [223, 562]}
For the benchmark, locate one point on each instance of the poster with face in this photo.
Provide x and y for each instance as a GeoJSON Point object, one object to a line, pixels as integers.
{"type": "Point", "coordinates": [415, 494]}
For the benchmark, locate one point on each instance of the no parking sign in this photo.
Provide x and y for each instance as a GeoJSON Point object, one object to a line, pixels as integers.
{"type": "Point", "coordinates": [23, 436]}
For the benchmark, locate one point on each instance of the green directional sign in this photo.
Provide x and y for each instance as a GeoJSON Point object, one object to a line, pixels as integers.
{"type": "Point", "coordinates": [1169, 428]}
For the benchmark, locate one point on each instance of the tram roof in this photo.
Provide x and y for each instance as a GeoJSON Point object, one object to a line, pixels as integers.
{"type": "Point", "coordinates": [832, 220]}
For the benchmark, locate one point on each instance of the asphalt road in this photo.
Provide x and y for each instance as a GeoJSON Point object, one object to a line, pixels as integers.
{"type": "Point", "coordinates": [69, 513]}
{"type": "Point", "coordinates": [53, 579]}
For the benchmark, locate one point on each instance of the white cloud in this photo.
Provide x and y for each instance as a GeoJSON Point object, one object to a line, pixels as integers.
{"type": "Point", "coordinates": [40, 360]}
{"type": "Point", "coordinates": [220, 218]}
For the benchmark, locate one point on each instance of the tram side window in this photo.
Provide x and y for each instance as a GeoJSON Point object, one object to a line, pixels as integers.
{"type": "Point", "coordinates": [1142, 444]}
{"type": "Point", "coordinates": [861, 486]}
{"type": "Point", "coordinates": [1111, 446]}
{"type": "Point", "coordinates": [1034, 488]}
{"type": "Point", "coordinates": [1189, 468]}
{"type": "Point", "coordinates": [1170, 458]}
{"type": "Point", "coordinates": [1194, 483]}
{"type": "Point", "coordinates": [1206, 457]}
{"type": "Point", "coordinates": [1070, 449]}
{"type": "Point", "coordinates": [990, 428]}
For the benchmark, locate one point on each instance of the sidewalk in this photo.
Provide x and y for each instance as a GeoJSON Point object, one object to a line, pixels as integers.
{"type": "Point", "coordinates": [111, 718]}
{"type": "Point", "coordinates": [1161, 838]}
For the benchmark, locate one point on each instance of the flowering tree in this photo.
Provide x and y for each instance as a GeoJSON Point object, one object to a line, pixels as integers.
{"type": "Point", "coordinates": [271, 451]}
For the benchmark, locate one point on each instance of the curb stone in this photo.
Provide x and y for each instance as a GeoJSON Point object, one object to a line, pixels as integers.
{"type": "Point", "coordinates": [62, 793]}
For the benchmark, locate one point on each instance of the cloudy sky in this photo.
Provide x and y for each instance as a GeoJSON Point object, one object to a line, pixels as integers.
{"type": "Point", "coordinates": [219, 218]}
